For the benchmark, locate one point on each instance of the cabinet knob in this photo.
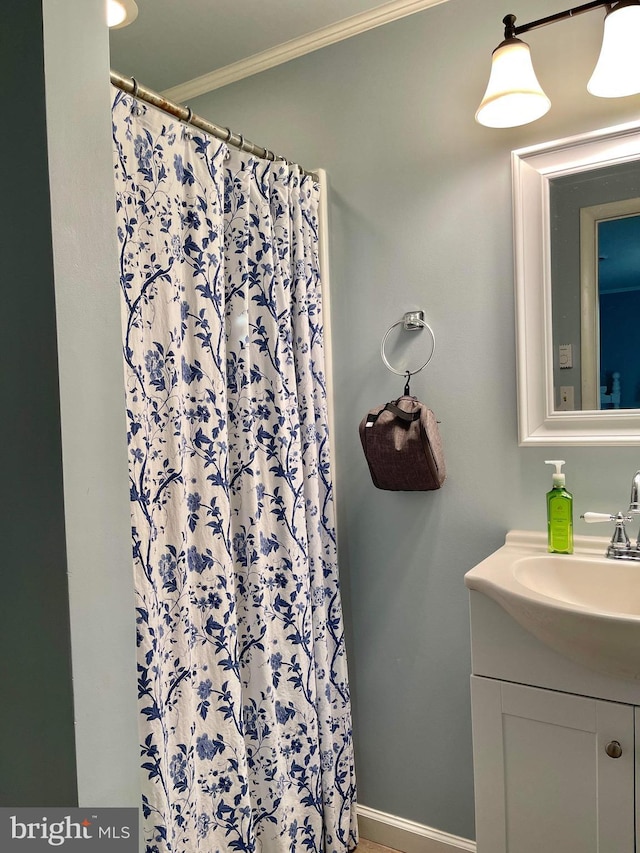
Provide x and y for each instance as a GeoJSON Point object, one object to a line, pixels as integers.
{"type": "Point", "coordinates": [613, 749]}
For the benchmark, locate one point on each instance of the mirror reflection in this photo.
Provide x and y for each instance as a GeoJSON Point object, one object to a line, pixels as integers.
{"type": "Point", "coordinates": [594, 221]}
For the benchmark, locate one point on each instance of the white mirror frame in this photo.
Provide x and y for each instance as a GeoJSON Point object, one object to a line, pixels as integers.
{"type": "Point", "coordinates": [539, 423]}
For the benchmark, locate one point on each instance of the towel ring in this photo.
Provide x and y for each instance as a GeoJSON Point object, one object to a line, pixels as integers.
{"type": "Point", "coordinates": [412, 320]}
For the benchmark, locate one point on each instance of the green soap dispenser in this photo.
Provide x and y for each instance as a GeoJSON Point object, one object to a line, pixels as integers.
{"type": "Point", "coordinates": [559, 512]}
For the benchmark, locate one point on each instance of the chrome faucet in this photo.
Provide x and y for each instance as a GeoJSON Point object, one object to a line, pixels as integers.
{"type": "Point", "coordinates": [620, 547]}
{"type": "Point", "coordinates": [634, 508]}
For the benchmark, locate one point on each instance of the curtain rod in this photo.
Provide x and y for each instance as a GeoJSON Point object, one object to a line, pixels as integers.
{"type": "Point", "coordinates": [185, 114]}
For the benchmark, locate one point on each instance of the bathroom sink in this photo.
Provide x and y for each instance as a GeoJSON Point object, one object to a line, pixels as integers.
{"type": "Point", "coordinates": [583, 605]}
{"type": "Point", "coordinates": [600, 585]}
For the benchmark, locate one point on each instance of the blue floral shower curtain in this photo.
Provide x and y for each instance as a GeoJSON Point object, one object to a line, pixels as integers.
{"type": "Point", "coordinates": [244, 699]}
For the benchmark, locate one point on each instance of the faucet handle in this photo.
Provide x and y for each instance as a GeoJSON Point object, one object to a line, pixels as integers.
{"type": "Point", "coordinates": [634, 500]}
{"type": "Point", "coordinates": [620, 546]}
{"type": "Point", "coordinates": [595, 517]}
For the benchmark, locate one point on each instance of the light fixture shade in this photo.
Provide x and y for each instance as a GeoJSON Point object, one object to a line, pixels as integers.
{"type": "Point", "coordinates": [513, 95]}
{"type": "Point", "coordinates": [121, 13]}
{"type": "Point", "coordinates": [617, 72]}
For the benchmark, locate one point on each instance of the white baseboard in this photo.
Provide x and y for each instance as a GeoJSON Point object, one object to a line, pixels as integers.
{"type": "Point", "coordinates": [407, 836]}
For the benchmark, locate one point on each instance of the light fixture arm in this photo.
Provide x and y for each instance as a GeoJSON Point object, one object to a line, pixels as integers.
{"type": "Point", "coordinates": [514, 95]}
{"type": "Point", "coordinates": [511, 31]}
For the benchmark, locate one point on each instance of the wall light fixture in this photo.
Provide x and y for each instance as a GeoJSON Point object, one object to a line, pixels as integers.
{"type": "Point", "coordinates": [121, 13]}
{"type": "Point", "coordinates": [514, 95]}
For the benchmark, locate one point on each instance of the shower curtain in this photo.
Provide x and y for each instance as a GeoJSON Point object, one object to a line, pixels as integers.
{"type": "Point", "coordinates": [246, 737]}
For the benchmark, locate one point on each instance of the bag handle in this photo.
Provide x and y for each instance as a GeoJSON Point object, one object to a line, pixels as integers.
{"type": "Point", "coordinates": [400, 413]}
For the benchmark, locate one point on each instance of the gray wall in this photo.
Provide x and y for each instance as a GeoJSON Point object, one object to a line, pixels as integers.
{"type": "Point", "coordinates": [66, 554]}
{"type": "Point", "coordinates": [420, 216]}
{"type": "Point", "coordinates": [36, 709]}
{"type": "Point", "coordinates": [94, 448]}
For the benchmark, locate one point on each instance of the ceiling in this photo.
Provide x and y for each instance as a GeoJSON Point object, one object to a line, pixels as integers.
{"type": "Point", "coordinates": [173, 42]}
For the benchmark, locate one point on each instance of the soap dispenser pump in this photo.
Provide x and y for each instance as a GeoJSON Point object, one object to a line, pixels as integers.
{"type": "Point", "coordinates": [559, 512]}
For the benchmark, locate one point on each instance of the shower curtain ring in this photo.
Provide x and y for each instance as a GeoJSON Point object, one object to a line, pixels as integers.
{"type": "Point", "coordinates": [229, 134]}
{"type": "Point", "coordinates": [135, 87]}
{"type": "Point", "coordinates": [189, 115]}
{"type": "Point", "coordinates": [241, 143]}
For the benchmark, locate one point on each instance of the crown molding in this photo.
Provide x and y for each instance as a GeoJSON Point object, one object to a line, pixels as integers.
{"type": "Point", "coordinates": [353, 26]}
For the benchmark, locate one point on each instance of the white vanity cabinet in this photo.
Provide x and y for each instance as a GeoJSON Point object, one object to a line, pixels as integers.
{"type": "Point", "coordinates": [554, 771]}
{"type": "Point", "coordinates": [545, 728]}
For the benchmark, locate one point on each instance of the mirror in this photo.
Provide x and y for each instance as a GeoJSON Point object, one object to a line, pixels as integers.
{"type": "Point", "coordinates": [577, 271]}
